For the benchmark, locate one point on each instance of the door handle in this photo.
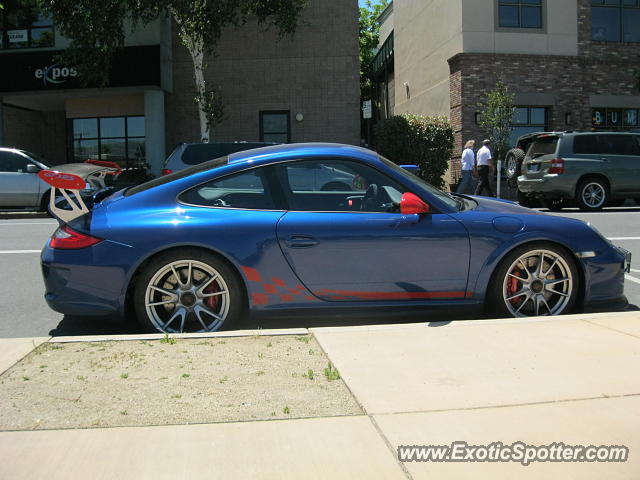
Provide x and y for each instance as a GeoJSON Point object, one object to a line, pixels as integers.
{"type": "Point", "coordinates": [301, 241]}
{"type": "Point", "coordinates": [406, 220]}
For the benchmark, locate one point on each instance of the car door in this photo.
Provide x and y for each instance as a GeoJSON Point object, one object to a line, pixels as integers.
{"type": "Point", "coordinates": [18, 188]}
{"type": "Point", "coordinates": [354, 245]}
{"type": "Point", "coordinates": [621, 156]}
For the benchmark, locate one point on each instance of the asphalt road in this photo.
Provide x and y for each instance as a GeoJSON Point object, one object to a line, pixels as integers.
{"type": "Point", "coordinates": [24, 313]}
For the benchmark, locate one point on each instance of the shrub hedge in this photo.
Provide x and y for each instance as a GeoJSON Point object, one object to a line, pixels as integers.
{"type": "Point", "coordinates": [418, 140]}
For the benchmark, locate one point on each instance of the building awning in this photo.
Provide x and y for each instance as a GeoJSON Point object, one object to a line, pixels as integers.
{"type": "Point", "coordinates": [383, 61]}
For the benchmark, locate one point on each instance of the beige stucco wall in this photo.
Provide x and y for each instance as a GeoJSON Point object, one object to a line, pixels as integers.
{"type": "Point", "coordinates": [558, 37]}
{"type": "Point", "coordinates": [426, 34]}
{"type": "Point", "coordinates": [386, 23]}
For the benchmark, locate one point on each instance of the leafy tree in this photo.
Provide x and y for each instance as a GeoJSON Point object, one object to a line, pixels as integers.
{"type": "Point", "coordinates": [496, 115]}
{"type": "Point", "coordinates": [414, 139]}
{"type": "Point", "coordinates": [96, 30]}
{"type": "Point", "coordinates": [369, 37]}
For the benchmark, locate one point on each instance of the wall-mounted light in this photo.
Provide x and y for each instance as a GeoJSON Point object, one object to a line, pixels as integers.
{"type": "Point", "coordinates": [299, 117]}
{"type": "Point", "coordinates": [567, 118]}
{"type": "Point", "coordinates": [407, 89]}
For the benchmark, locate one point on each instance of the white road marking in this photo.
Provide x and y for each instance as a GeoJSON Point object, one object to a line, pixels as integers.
{"type": "Point", "coordinates": [20, 251]}
{"type": "Point", "coordinates": [633, 279]}
{"type": "Point", "coordinates": [623, 238]}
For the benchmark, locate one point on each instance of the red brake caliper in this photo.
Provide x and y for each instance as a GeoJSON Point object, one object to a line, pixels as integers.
{"type": "Point", "coordinates": [512, 287]}
{"type": "Point", "coordinates": [212, 302]}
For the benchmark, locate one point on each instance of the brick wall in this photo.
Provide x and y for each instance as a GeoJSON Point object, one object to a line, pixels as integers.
{"type": "Point", "coordinates": [316, 73]}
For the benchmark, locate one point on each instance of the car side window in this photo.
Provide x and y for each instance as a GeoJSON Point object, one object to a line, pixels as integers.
{"type": "Point", "coordinates": [245, 190]}
{"type": "Point", "coordinates": [10, 162]}
{"type": "Point", "coordinates": [618, 145]}
{"type": "Point", "coordinates": [338, 186]}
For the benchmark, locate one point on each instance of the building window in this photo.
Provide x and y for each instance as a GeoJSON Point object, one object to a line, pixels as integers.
{"type": "Point", "coordinates": [22, 26]}
{"type": "Point", "coordinates": [520, 14]}
{"type": "Point", "coordinates": [615, 20]}
{"type": "Point", "coordinates": [528, 120]}
{"type": "Point", "coordinates": [615, 118]}
{"type": "Point", "coordinates": [116, 139]}
{"type": "Point", "coordinates": [275, 126]}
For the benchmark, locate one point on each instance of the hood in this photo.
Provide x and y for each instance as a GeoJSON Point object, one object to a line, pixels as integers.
{"type": "Point", "coordinates": [498, 205]}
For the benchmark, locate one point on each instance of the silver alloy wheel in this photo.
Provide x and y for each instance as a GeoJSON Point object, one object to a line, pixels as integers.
{"type": "Point", "coordinates": [187, 295]}
{"type": "Point", "coordinates": [593, 195]}
{"type": "Point", "coordinates": [539, 282]}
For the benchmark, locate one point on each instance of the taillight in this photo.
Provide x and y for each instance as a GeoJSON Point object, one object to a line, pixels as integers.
{"type": "Point", "coordinates": [557, 165]}
{"type": "Point", "coordinates": [166, 171]}
{"type": "Point", "coordinates": [67, 239]}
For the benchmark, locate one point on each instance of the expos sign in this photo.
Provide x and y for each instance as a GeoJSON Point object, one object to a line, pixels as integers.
{"type": "Point", "coordinates": [55, 74]}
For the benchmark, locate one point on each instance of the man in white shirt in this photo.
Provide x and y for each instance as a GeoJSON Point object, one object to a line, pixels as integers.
{"type": "Point", "coordinates": [485, 168]}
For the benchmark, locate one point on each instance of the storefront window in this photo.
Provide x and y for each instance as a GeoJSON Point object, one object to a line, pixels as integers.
{"type": "Point", "coordinates": [520, 13]}
{"type": "Point", "coordinates": [615, 118]}
{"type": "Point", "coordinates": [615, 20]}
{"type": "Point", "coordinates": [116, 139]}
{"type": "Point", "coordinates": [528, 120]}
{"type": "Point", "coordinates": [22, 26]}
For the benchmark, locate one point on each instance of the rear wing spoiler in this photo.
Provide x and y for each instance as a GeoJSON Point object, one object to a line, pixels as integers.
{"type": "Point", "coordinates": [66, 184]}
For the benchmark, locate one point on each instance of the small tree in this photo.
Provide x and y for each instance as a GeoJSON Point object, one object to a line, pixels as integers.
{"type": "Point", "coordinates": [96, 30]}
{"type": "Point", "coordinates": [414, 139]}
{"type": "Point", "coordinates": [369, 38]}
{"type": "Point", "coordinates": [496, 115]}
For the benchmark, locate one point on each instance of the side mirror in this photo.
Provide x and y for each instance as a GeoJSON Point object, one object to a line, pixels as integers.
{"type": "Point", "coordinates": [412, 204]}
{"type": "Point", "coordinates": [31, 168]}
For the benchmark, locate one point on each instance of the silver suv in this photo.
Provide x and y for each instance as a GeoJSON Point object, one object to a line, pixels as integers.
{"type": "Point", "coordinates": [590, 169]}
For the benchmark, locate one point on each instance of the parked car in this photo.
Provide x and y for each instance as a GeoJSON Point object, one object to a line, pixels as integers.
{"type": "Point", "coordinates": [590, 169]}
{"type": "Point", "coordinates": [514, 157]}
{"type": "Point", "coordinates": [194, 250]}
{"type": "Point", "coordinates": [20, 186]}
{"type": "Point", "coordinates": [188, 154]}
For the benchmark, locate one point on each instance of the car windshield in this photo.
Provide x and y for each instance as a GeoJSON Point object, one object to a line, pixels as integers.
{"type": "Point", "coordinates": [444, 197]}
{"type": "Point", "coordinates": [38, 159]}
{"type": "Point", "coordinates": [156, 182]}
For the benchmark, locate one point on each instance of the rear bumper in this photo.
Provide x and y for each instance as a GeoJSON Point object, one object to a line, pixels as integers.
{"type": "Point", "coordinates": [548, 186]}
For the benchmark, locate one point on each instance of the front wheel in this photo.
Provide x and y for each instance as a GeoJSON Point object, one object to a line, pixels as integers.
{"type": "Point", "coordinates": [188, 291]}
{"type": "Point", "coordinates": [535, 279]}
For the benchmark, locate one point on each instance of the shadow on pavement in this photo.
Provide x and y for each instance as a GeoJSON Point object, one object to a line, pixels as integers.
{"type": "Point", "coordinates": [73, 325]}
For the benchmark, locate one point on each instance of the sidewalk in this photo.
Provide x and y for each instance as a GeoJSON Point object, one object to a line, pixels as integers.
{"type": "Point", "coordinates": [571, 379]}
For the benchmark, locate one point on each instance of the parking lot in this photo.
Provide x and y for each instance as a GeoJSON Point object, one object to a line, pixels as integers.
{"type": "Point", "coordinates": [25, 313]}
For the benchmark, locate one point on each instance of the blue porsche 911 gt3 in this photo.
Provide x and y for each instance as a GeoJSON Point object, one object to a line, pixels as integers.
{"type": "Point", "coordinates": [314, 226]}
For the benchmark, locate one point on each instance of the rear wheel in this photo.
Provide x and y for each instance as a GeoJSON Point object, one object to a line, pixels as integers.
{"type": "Point", "coordinates": [593, 194]}
{"type": "Point", "coordinates": [188, 291]}
{"type": "Point", "coordinates": [44, 202]}
{"type": "Point", "coordinates": [536, 279]}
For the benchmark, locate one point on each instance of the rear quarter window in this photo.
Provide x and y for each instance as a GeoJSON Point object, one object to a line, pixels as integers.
{"type": "Point", "coordinates": [618, 145]}
{"type": "Point", "coordinates": [585, 144]}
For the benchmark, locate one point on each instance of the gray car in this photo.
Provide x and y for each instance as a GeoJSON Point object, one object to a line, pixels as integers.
{"type": "Point", "coordinates": [20, 186]}
{"type": "Point", "coordinates": [588, 169]}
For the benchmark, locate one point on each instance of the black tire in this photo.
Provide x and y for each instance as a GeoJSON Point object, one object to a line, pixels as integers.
{"type": "Point", "coordinates": [592, 194]}
{"type": "Point", "coordinates": [526, 201]}
{"type": "Point", "coordinates": [513, 163]}
{"type": "Point", "coordinates": [500, 299]}
{"type": "Point", "coordinates": [554, 205]}
{"type": "Point", "coordinates": [217, 309]}
{"type": "Point", "coordinates": [44, 202]}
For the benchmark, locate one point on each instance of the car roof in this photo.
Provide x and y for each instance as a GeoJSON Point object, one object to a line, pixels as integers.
{"type": "Point", "coordinates": [297, 150]}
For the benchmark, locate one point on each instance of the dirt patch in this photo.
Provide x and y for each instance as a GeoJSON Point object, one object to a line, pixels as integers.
{"type": "Point", "coordinates": [171, 381]}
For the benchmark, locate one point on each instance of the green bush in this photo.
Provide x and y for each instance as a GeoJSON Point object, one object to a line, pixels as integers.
{"type": "Point", "coordinates": [414, 139]}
